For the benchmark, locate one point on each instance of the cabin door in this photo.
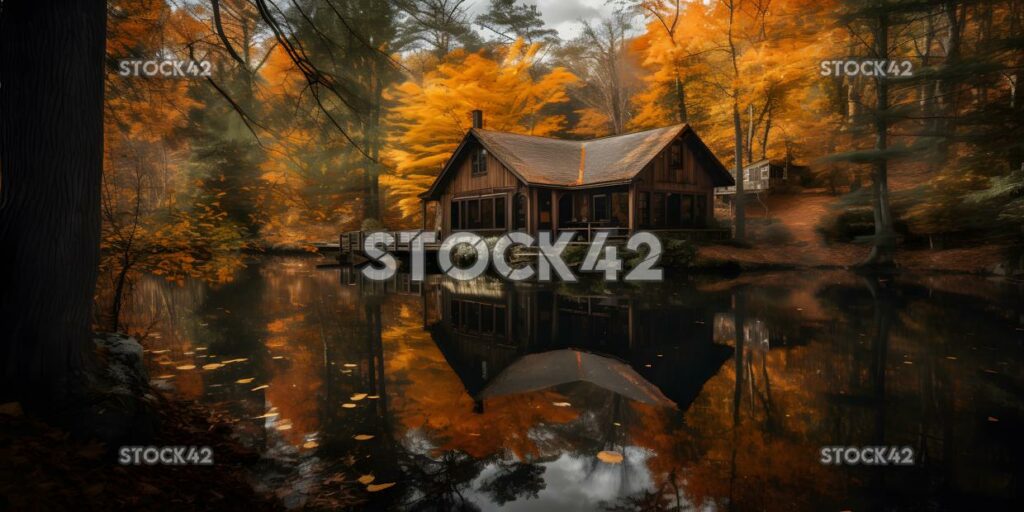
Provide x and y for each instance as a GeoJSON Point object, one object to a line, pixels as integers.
{"type": "Point", "coordinates": [544, 210]}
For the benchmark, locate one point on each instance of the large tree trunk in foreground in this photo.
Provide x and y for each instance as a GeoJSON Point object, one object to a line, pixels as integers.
{"type": "Point", "coordinates": [51, 160]}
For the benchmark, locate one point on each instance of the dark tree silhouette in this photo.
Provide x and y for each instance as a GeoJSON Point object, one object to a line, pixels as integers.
{"type": "Point", "coordinates": [51, 153]}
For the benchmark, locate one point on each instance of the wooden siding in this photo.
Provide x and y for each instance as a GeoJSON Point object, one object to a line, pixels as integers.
{"type": "Point", "coordinates": [693, 179]}
{"type": "Point", "coordinates": [463, 184]}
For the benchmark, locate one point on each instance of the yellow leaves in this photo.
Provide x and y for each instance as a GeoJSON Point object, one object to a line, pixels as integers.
{"type": "Point", "coordinates": [357, 397]}
{"type": "Point", "coordinates": [366, 479]}
{"type": "Point", "coordinates": [362, 437]}
{"type": "Point", "coordinates": [245, 381]}
{"type": "Point", "coordinates": [185, 367]}
{"type": "Point", "coordinates": [348, 406]}
{"type": "Point", "coordinates": [432, 115]}
{"type": "Point", "coordinates": [212, 366]}
{"type": "Point", "coordinates": [310, 445]}
{"type": "Point", "coordinates": [379, 487]}
{"type": "Point", "coordinates": [257, 388]}
{"type": "Point", "coordinates": [610, 457]}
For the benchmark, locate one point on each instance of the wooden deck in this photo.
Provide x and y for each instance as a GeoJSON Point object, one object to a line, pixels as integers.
{"type": "Point", "coordinates": [351, 242]}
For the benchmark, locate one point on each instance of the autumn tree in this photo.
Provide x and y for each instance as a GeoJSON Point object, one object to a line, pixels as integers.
{"type": "Point", "coordinates": [510, 20]}
{"type": "Point", "coordinates": [600, 58]}
{"type": "Point", "coordinates": [432, 115]}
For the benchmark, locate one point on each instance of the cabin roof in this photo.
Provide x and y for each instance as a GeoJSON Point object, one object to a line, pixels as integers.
{"type": "Point", "coordinates": [580, 163]}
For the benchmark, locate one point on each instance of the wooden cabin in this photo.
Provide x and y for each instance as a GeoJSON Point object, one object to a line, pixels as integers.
{"type": "Point", "coordinates": [765, 177]}
{"type": "Point", "coordinates": [654, 180]}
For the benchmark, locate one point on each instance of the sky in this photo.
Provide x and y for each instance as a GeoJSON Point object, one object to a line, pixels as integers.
{"type": "Point", "coordinates": [561, 15]}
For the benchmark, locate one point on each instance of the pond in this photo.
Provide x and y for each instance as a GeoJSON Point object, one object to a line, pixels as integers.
{"type": "Point", "coordinates": [689, 394]}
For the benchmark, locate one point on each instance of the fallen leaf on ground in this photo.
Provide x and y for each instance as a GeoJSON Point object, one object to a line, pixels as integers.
{"type": "Point", "coordinates": [610, 457]}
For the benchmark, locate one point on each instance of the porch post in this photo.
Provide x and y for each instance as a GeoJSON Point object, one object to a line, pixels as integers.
{"type": "Point", "coordinates": [555, 197]}
{"type": "Point", "coordinates": [423, 213]}
{"type": "Point", "coordinates": [632, 208]}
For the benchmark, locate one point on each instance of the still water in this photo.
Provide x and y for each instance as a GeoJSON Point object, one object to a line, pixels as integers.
{"type": "Point", "coordinates": [697, 394]}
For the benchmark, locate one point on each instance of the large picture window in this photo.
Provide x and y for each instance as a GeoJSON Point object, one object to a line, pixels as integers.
{"type": "Point", "coordinates": [479, 213]}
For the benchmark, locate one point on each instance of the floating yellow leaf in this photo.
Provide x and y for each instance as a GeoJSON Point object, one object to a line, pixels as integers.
{"type": "Point", "coordinates": [212, 366]}
{"type": "Point", "coordinates": [561, 404]}
{"type": "Point", "coordinates": [245, 381]}
{"type": "Point", "coordinates": [351, 365]}
{"type": "Point", "coordinates": [357, 397]}
{"type": "Point", "coordinates": [267, 415]}
{"type": "Point", "coordinates": [187, 367]}
{"type": "Point", "coordinates": [257, 388]}
{"type": "Point", "coordinates": [610, 457]}
{"type": "Point", "coordinates": [366, 479]}
{"type": "Point", "coordinates": [362, 437]}
{"type": "Point", "coordinates": [349, 406]}
{"type": "Point", "coordinates": [378, 487]}
{"type": "Point", "coordinates": [286, 426]}
{"type": "Point", "coordinates": [373, 397]}
{"type": "Point", "coordinates": [310, 444]}
{"type": "Point", "coordinates": [165, 376]}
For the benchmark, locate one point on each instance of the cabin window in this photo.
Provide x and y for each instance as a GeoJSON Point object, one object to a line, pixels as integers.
{"type": "Point", "coordinates": [701, 215]}
{"type": "Point", "coordinates": [474, 213]}
{"type": "Point", "coordinates": [620, 209]}
{"type": "Point", "coordinates": [479, 162]}
{"type": "Point", "coordinates": [643, 208]}
{"type": "Point", "coordinates": [481, 213]}
{"type": "Point", "coordinates": [486, 319]}
{"type": "Point", "coordinates": [499, 212]}
{"type": "Point", "coordinates": [455, 217]}
{"type": "Point", "coordinates": [499, 320]}
{"type": "Point", "coordinates": [600, 207]}
{"type": "Point", "coordinates": [686, 211]}
{"type": "Point", "coordinates": [658, 209]}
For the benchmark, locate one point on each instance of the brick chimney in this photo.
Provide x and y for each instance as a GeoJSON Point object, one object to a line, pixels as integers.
{"type": "Point", "coordinates": [478, 118]}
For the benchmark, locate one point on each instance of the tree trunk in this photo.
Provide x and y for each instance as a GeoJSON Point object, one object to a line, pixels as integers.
{"type": "Point", "coordinates": [51, 149]}
{"type": "Point", "coordinates": [681, 100]}
{"type": "Point", "coordinates": [739, 224]}
{"type": "Point", "coordinates": [884, 248]}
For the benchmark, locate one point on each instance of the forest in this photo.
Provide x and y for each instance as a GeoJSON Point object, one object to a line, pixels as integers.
{"type": "Point", "coordinates": [155, 204]}
{"type": "Point", "coordinates": [325, 116]}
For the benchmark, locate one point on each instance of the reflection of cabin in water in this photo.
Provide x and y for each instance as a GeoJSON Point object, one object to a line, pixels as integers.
{"type": "Point", "coordinates": [483, 327]}
{"type": "Point", "coordinates": [655, 180]}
